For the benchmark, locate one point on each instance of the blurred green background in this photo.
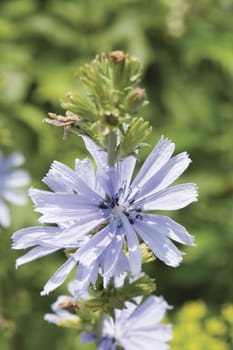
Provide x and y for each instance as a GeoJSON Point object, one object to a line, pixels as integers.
{"type": "Point", "coordinates": [186, 48]}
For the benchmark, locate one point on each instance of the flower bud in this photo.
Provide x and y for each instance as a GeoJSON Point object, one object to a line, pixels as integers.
{"type": "Point", "coordinates": [112, 118]}
{"type": "Point", "coordinates": [117, 56]}
{"type": "Point", "coordinates": [134, 100]}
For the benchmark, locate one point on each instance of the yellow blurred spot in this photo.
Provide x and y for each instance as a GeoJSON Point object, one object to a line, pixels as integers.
{"type": "Point", "coordinates": [215, 326]}
{"type": "Point", "coordinates": [227, 312]}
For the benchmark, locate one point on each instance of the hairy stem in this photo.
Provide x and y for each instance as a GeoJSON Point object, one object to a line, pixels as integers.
{"type": "Point", "coordinates": [112, 142]}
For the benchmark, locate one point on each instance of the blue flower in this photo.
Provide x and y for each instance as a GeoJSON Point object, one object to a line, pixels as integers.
{"type": "Point", "coordinates": [132, 327]}
{"type": "Point", "coordinates": [61, 314]}
{"type": "Point", "coordinates": [98, 214]}
{"type": "Point", "coordinates": [135, 327]}
{"type": "Point", "coordinates": [10, 180]}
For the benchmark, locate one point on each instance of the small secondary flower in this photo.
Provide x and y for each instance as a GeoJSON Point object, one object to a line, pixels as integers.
{"type": "Point", "coordinates": [61, 309]}
{"type": "Point", "coordinates": [135, 327]}
{"type": "Point", "coordinates": [10, 180]}
{"type": "Point", "coordinates": [99, 213]}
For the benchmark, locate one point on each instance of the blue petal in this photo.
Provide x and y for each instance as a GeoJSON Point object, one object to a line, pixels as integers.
{"type": "Point", "coordinates": [175, 197]}
{"type": "Point", "coordinates": [173, 230]}
{"type": "Point", "coordinates": [16, 178]}
{"type": "Point", "coordinates": [4, 215]}
{"type": "Point", "coordinates": [107, 344]}
{"type": "Point", "coordinates": [52, 318]}
{"type": "Point", "coordinates": [85, 171]}
{"type": "Point", "coordinates": [61, 178]}
{"type": "Point", "coordinates": [97, 153]}
{"type": "Point", "coordinates": [76, 232]}
{"type": "Point", "coordinates": [59, 276]}
{"type": "Point", "coordinates": [121, 266]}
{"type": "Point", "coordinates": [157, 158]}
{"type": "Point", "coordinates": [137, 327]}
{"type": "Point", "coordinates": [150, 312]}
{"type": "Point", "coordinates": [63, 207]}
{"type": "Point", "coordinates": [31, 236]}
{"type": "Point", "coordinates": [88, 253]}
{"type": "Point", "coordinates": [114, 179]}
{"type": "Point", "coordinates": [72, 286]}
{"type": "Point", "coordinates": [87, 337]}
{"type": "Point", "coordinates": [109, 180]}
{"type": "Point", "coordinates": [14, 196]}
{"type": "Point", "coordinates": [134, 252]}
{"type": "Point", "coordinates": [161, 246]}
{"type": "Point", "coordinates": [166, 175]}
{"type": "Point", "coordinates": [12, 161]}
{"type": "Point", "coordinates": [86, 275]}
{"type": "Point", "coordinates": [126, 168]}
{"type": "Point", "coordinates": [143, 341]}
{"type": "Point", "coordinates": [34, 254]}
{"type": "Point", "coordinates": [111, 255]}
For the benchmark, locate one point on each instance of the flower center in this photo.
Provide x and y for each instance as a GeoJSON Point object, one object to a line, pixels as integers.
{"type": "Point", "coordinates": [118, 211]}
{"type": "Point", "coordinates": [118, 207]}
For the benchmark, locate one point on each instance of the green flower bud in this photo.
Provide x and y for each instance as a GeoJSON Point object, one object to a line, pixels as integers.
{"type": "Point", "coordinates": [77, 324]}
{"type": "Point", "coordinates": [112, 118]}
{"type": "Point", "coordinates": [106, 112]}
{"type": "Point", "coordinates": [82, 106]}
{"type": "Point", "coordinates": [117, 56]}
{"type": "Point", "coordinates": [133, 138]}
{"type": "Point", "coordinates": [134, 100]}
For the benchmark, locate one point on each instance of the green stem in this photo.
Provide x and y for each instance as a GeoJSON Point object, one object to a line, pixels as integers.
{"type": "Point", "coordinates": [112, 142]}
{"type": "Point", "coordinates": [99, 327]}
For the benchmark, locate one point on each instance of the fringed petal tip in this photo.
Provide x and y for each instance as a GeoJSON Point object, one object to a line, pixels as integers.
{"type": "Point", "coordinates": [44, 293]}
{"type": "Point", "coordinates": [30, 190]}
{"type": "Point", "coordinates": [19, 262]}
{"type": "Point", "coordinates": [190, 240]}
{"type": "Point", "coordinates": [31, 193]}
{"type": "Point", "coordinates": [196, 188]}
{"type": "Point", "coordinates": [175, 263]}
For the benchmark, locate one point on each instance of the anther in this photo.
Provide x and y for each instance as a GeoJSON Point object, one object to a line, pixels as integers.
{"type": "Point", "coordinates": [103, 206]}
{"type": "Point", "coordinates": [131, 220]}
{"type": "Point", "coordinates": [131, 201]}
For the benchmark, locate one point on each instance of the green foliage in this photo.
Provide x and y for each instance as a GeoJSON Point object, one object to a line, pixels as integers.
{"type": "Point", "coordinates": [186, 51]}
{"type": "Point", "coordinates": [110, 298]}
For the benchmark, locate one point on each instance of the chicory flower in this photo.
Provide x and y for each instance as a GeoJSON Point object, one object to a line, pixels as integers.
{"type": "Point", "coordinates": [135, 327]}
{"type": "Point", "coordinates": [96, 214]}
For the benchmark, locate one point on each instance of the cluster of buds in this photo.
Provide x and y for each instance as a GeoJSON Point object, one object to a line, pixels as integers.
{"type": "Point", "coordinates": [109, 111]}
